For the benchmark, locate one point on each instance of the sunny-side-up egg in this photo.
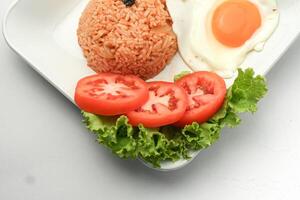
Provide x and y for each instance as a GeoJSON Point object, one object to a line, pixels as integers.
{"type": "Point", "coordinates": [217, 35]}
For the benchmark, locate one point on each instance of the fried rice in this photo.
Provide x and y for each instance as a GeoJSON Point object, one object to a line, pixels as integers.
{"type": "Point", "coordinates": [129, 40]}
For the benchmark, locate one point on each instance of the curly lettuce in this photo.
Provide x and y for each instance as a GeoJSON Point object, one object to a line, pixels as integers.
{"type": "Point", "coordinates": [172, 143]}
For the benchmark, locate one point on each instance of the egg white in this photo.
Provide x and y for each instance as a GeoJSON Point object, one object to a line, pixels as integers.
{"type": "Point", "coordinates": [197, 45]}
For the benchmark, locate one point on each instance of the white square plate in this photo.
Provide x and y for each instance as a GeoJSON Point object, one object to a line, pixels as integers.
{"type": "Point", "coordinates": [44, 34]}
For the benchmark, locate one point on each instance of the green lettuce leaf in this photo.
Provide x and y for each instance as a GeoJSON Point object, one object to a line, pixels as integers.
{"type": "Point", "coordinates": [167, 143]}
{"type": "Point", "coordinates": [114, 133]}
{"type": "Point", "coordinates": [201, 136]}
{"type": "Point", "coordinates": [170, 143]}
{"type": "Point", "coordinates": [241, 97]}
{"type": "Point", "coordinates": [182, 74]}
{"type": "Point", "coordinates": [246, 92]}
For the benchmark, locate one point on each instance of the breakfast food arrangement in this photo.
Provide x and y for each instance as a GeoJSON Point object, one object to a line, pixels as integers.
{"type": "Point", "coordinates": [127, 42]}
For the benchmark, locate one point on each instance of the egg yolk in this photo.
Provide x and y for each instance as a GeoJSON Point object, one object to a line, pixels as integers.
{"type": "Point", "coordinates": [235, 21]}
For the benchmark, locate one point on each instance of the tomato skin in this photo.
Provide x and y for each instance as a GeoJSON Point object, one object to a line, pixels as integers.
{"type": "Point", "coordinates": [155, 113]}
{"type": "Point", "coordinates": [110, 94]}
{"type": "Point", "coordinates": [204, 105]}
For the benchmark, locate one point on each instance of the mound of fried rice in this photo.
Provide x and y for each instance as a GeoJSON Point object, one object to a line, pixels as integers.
{"type": "Point", "coordinates": [129, 40]}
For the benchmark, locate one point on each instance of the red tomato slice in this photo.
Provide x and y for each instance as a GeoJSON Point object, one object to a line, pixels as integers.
{"type": "Point", "coordinates": [110, 94]}
{"type": "Point", "coordinates": [166, 105]}
{"type": "Point", "coordinates": [206, 92]}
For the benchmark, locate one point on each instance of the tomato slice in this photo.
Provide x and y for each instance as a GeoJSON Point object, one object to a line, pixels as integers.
{"type": "Point", "coordinates": [110, 94]}
{"type": "Point", "coordinates": [166, 105]}
{"type": "Point", "coordinates": [206, 92]}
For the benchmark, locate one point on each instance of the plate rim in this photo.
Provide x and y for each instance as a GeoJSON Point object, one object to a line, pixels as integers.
{"type": "Point", "coordinates": [10, 44]}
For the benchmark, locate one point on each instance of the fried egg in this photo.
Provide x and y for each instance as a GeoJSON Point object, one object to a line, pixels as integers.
{"type": "Point", "coordinates": [217, 35]}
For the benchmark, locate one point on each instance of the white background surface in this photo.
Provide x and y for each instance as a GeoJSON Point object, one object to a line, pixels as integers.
{"type": "Point", "coordinates": [46, 153]}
